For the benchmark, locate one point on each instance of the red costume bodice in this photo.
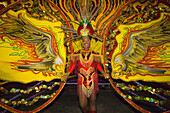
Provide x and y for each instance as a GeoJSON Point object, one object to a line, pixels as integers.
{"type": "Point", "coordinates": [87, 77]}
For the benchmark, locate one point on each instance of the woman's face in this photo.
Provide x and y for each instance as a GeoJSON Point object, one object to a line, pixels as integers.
{"type": "Point", "coordinates": [86, 42]}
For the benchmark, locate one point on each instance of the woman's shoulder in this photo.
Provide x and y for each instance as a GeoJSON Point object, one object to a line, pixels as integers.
{"type": "Point", "coordinates": [75, 56]}
{"type": "Point", "coordinates": [97, 57]}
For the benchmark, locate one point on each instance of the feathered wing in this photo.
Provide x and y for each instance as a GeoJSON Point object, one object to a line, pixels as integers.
{"type": "Point", "coordinates": [144, 52]}
{"type": "Point", "coordinates": [41, 56]}
{"type": "Point", "coordinates": [133, 56]}
{"type": "Point", "coordinates": [19, 28]}
{"type": "Point", "coordinates": [137, 56]}
{"type": "Point", "coordinates": [140, 62]}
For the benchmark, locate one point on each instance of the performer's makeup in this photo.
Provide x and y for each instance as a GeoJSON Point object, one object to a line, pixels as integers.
{"type": "Point", "coordinates": [86, 42]}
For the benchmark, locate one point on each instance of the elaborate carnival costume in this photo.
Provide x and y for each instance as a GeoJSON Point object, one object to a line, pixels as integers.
{"type": "Point", "coordinates": [87, 77]}
{"type": "Point", "coordinates": [87, 83]}
{"type": "Point", "coordinates": [132, 36]}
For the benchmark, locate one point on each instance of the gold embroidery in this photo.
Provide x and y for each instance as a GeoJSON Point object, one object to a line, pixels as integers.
{"type": "Point", "coordinates": [88, 92]}
{"type": "Point", "coordinates": [88, 89]}
{"type": "Point", "coordinates": [86, 61]}
{"type": "Point", "coordinates": [84, 72]}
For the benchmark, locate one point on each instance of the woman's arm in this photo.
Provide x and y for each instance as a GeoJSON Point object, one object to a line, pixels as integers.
{"type": "Point", "coordinates": [72, 67]}
{"type": "Point", "coordinates": [99, 67]}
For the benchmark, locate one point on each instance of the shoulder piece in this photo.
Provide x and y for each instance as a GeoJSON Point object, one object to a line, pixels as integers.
{"type": "Point", "coordinates": [97, 58]}
{"type": "Point", "coordinates": [75, 57]}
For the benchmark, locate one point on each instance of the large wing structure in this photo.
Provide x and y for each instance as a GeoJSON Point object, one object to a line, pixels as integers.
{"type": "Point", "coordinates": [32, 63]}
{"type": "Point", "coordinates": [132, 36]}
{"type": "Point", "coordinates": [138, 54]}
{"type": "Point", "coordinates": [135, 58]}
{"type": "Point", "coordinates": [143, 52]}
{"type": "Point", "coordinates": [143, 62]}
{"type": "Point", "coordinates": [20, 29]}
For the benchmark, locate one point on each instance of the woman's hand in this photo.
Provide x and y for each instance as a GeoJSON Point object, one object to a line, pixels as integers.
{"type": "Point", "coordinates": [106, 76]}
{"type": "Point", "coordinates": [64, 78]}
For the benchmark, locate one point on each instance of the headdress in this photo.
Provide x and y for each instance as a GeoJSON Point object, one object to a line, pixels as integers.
{"type": "Point", "coordinates": [84, 21]}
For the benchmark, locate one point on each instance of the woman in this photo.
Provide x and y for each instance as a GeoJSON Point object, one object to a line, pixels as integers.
{"type": "Point", "coordinates": [87, 84]}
